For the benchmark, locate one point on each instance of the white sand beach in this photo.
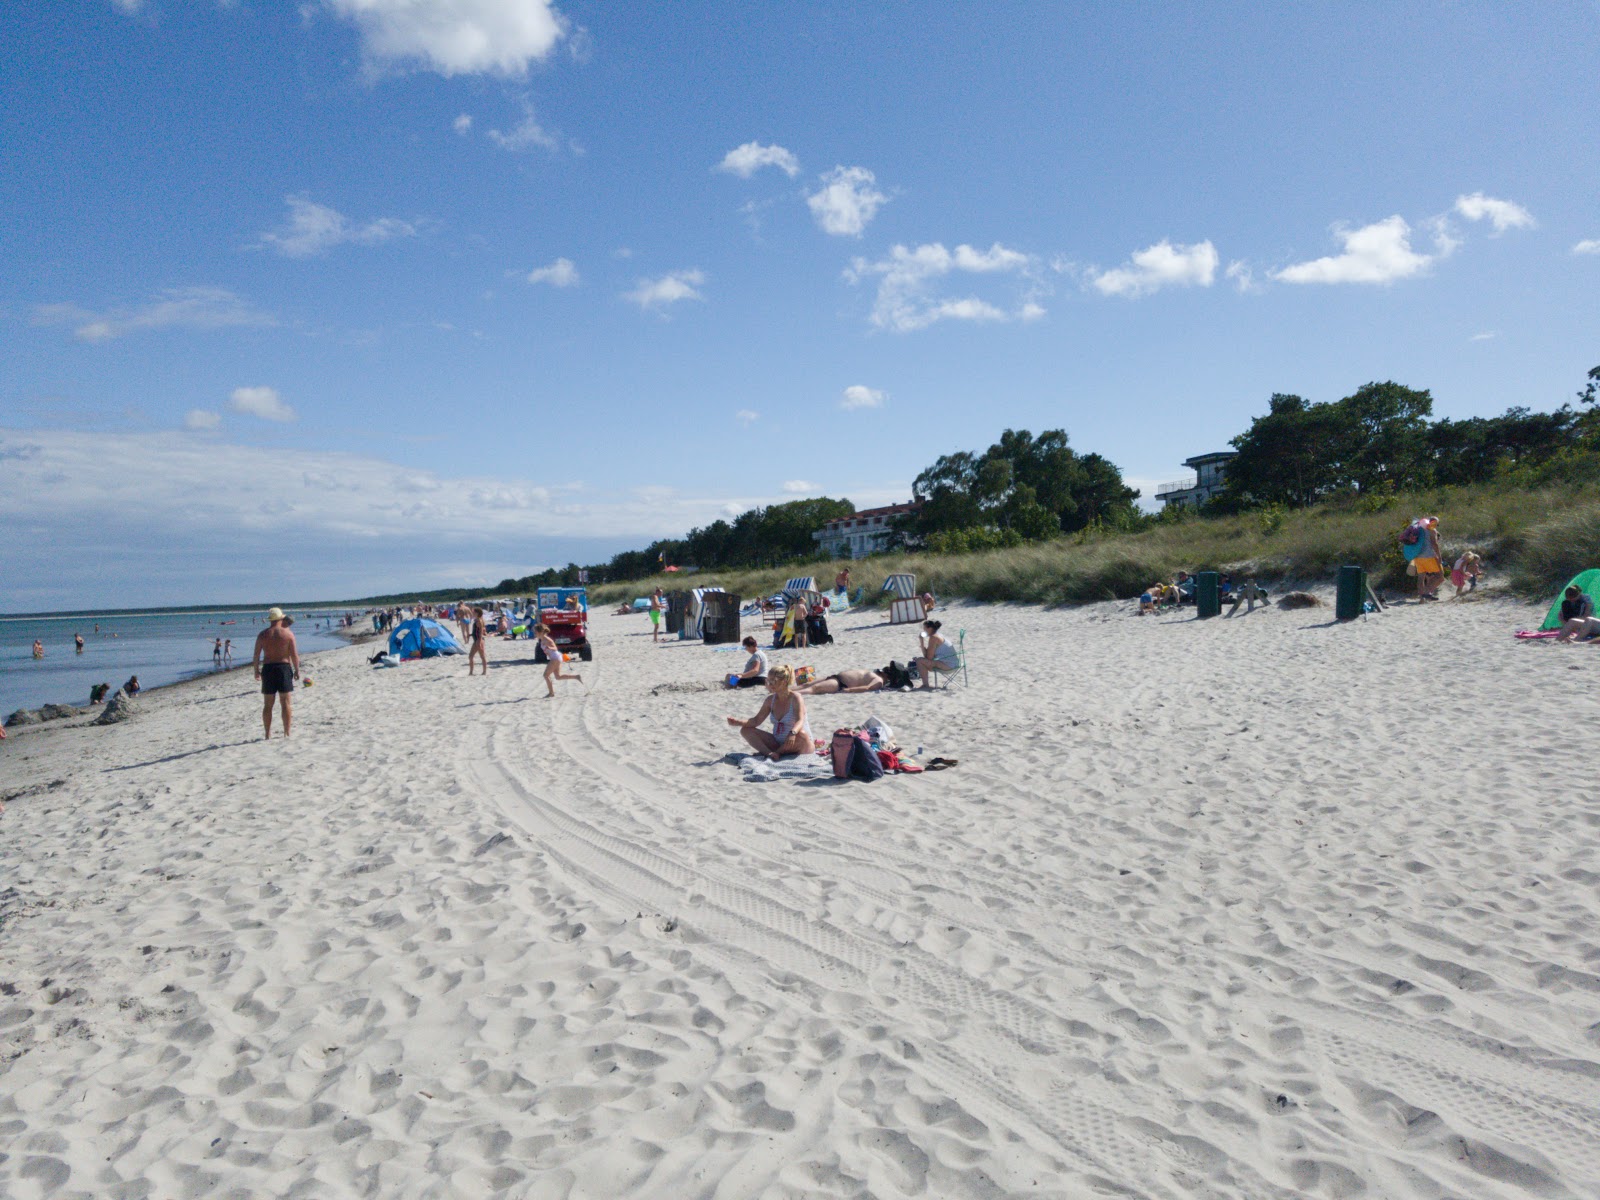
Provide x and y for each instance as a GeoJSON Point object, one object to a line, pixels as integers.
{"type": "Point", "coordinates": [1260, 907]}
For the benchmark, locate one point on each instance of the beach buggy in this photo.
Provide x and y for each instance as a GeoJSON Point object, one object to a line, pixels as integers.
{"type": "Point", "coordinates": [566, 611]}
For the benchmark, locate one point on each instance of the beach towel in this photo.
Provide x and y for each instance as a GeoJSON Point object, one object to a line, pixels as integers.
{"type": "Point", "coordinates": [798, 769]}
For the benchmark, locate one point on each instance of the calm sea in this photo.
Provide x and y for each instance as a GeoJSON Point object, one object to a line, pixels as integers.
{"type": "Point", "coordinates": [159, 648]}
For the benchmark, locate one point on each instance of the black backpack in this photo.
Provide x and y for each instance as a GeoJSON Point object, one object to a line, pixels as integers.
{"type": "Point", "coordinates": [895, 675]}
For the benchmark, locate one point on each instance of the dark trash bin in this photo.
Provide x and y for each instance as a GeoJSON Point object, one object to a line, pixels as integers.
{"type": "Point", "coordinates": [1207, 594]}
{"type": "Point", "coordinates": [1351, 599]}
{"type": "Point", "coordinates": [719, 618]}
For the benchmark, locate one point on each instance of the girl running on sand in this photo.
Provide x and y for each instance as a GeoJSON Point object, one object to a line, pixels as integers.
{"type": "Point", "coordinates": [552, 668]}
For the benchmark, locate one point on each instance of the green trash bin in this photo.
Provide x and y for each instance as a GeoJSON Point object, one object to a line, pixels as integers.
{"type": "Point", "coordinates": [1351, 600]}
{"type": "Point", "coordinates": [1207, 595]}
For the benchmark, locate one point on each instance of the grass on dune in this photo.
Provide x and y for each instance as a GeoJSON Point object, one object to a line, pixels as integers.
{"type": "Point", "coordinates": [1542, 537]}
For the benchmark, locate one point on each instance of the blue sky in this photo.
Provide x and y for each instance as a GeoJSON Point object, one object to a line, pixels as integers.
{"type": "Point", "coordinates": [353, 295]}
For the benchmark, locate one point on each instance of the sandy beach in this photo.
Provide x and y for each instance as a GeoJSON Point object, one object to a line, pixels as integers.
{"type": "Point", "coordinates": [1260, 907]}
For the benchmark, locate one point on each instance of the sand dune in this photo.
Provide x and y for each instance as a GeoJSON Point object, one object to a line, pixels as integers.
{"type": "Point", "coordinates": [1263, 907]}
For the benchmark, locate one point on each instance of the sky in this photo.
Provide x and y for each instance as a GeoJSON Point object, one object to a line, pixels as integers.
{"type": "Point", "coordinates": [346, 297]}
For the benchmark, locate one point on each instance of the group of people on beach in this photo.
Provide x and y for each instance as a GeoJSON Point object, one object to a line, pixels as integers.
{"type": "Point", "coordinates": [785, 705]}
{"type": "Point", "coordinates": [477, 636]}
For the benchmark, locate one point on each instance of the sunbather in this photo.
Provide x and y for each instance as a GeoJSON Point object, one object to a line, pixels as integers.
{"type": "Point", "coordinates": [851, 681]}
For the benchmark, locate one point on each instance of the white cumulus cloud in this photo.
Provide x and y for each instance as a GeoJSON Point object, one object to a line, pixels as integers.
{"type": "Point", "coordinates": [744, 161]}
{"type": "Point", "coordinates": [1587, 246]}
{"type": "Point", "coordinates": [200, 418]}
{"type": "Point", "coordinates": [1503, 214]}
{"type": "Point", "coordinates": [175, 308]}
{"type": "Point", "coordinates": [860, 396]}
{"type": "Point", "coordinates": [1159, 266]}
{"type": "Point", "coordinates": [746, 417]}
{"type": "Point", "coordinates": [1376, 253]}
{"type": "Point", "coordinates": [906, 278]}
{"type": "Point", "coordinates": [560, 273]}
{"type": "Point", "coordinates": [847, 201]}
{"type": "Point", "coordinates": [456, 37]}
{"type": "Point", "coordinates": [462, 124]}
{"type": "Point", "coordinates": [263, 402]}
{"type": "Point", "coordinates": [313, 229]}
{"type": "Point", "coordinates": [798, 486]}
{"type": "Point", "coordinates": [668, 289]}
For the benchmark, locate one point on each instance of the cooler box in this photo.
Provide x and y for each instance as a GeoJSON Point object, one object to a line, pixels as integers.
{"type": "Point", "coordinates": [1350, 602]}
{"type": "Point", "coordinates": [1207, 594]}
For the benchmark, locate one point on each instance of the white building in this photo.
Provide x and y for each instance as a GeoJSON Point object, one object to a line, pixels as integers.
{"type": "Point", "coordinates": [865, 533]}
{"type": "Point", "coordinates": [1209, 479]}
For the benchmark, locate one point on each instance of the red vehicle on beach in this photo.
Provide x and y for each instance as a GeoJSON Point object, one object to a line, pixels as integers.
{"type": "Point", "coordinates": [566, 611]}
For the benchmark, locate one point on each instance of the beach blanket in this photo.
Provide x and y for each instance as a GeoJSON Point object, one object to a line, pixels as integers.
{"type": "Point", "coordinates": [797, 769]}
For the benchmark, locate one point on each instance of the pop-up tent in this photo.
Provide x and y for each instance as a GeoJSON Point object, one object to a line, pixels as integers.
{"type": "Point", "coordinates": [422, 638]}
{"type": "Point", "coordinates": [1584, 581]}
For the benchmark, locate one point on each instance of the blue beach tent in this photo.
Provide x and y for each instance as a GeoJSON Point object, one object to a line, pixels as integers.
{"type": "Point", "coordinates": [420, 637]}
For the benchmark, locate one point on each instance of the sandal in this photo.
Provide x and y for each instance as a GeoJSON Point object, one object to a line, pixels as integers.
{"type": "Point", "coordinates": [939, 764]}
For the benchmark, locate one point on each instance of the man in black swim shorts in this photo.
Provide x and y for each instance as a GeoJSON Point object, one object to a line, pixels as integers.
{"type": "Point", "coordinates": [277, 666]}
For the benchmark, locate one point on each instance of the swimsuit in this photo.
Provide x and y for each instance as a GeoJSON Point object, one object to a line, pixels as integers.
{"type": "Point", "coordinates": [276, 678]}
{"type": "Point", "coordinates": [782, 728]}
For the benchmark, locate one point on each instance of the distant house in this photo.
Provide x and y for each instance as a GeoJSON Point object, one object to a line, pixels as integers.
{"type": "Point", "coordinates": [865, 533]}
{"type": "Point", "coordinates": [1209, 472]}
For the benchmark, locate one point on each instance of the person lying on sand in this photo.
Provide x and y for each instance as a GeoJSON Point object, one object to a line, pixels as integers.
{"type": "Point", "coordinates": [845, 681]}
{"type": "Point", "coordinates": [787, 708]}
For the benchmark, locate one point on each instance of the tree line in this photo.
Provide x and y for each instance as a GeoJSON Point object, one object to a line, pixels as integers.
{"type": "Point", "coordinates": [1027, 488]}
{"type": "Point", "coordinates": [1381, 439]}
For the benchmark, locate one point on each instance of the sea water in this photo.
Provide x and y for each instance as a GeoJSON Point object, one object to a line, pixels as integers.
{"type": "Point", "coordinates": [159, 648]}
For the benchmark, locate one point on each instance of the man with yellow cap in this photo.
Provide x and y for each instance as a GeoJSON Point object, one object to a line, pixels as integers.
{"type": "Point", "coordinates": [277, 665]}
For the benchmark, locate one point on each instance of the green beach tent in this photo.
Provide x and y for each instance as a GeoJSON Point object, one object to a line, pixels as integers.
{"type": "Point", "coordinates": [1587, 581]}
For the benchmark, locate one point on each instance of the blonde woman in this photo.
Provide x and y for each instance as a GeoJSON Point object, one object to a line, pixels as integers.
{"type": "Point", "coordinates": [787, 708]}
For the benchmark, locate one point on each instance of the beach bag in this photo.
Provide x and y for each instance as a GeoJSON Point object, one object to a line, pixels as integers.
{"type": "Point", "coordinates": [844, 741]}
{"type": "Point", "coordinates": [1411, 535]}
{"type": "Point", "coordinates": [804, 675]}
{"type": "Point", "coordinates": [863, 762]}
{"type": "Point", "coordinates": [896, 676]}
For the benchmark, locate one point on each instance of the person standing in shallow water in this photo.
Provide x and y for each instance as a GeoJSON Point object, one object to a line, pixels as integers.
{"type": "Point", "coordinates": [77, 641]}
{"type": "Point", "coordinates": [277, 665]}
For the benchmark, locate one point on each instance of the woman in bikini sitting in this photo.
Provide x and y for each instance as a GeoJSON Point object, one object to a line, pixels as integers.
{"type": "Point", "coordinates": [787, 708]}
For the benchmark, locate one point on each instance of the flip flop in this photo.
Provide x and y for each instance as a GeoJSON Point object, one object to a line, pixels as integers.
{"type": "Point", "coordinates": [939, 764]}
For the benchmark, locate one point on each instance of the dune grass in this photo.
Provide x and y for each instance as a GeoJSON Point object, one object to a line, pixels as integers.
{"type": "Point", "coordinates": [1541, 537]}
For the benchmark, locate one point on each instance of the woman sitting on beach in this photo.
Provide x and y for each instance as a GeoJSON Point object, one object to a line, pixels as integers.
{"type": "Point", "coordinates": [938, 654]}
{"type": "Point", "coordinates": [1578, 622]}
{"type": "Point", "coordinates": [845, 681]}
{"type": "Point", "coordinates": [787, 708]}
{"type": "Point", "coordinates": [755, 667]}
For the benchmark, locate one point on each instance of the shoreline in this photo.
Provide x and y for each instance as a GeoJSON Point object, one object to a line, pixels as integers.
{"type": "Point", "coordinates": [89, 710]}
{"type": "Point", "coordinates": [1205, 907]}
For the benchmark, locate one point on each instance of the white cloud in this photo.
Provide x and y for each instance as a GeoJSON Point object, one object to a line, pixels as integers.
{"type": "Point", "coordinates": [130, 7]}
{"type": "Point", "coordinates": [314, 229]}
{"type": "Point", "coordinates": [668, 289]}
{"type": "Point", "coordinates": [1503, 214]}
{"type": "Point", "coordinates": [1487, 336]}
{"type": "Point", "coordinates": [175, 308]}
{"type": "Point", "coordinates": [560, 273]}
{"type": "Point", "coordinates": [746, 417]}
{"type": "Point", "coordinates": [1587, 246]}
{"type": "Point", "coordinates": [263, 402]}
{"type": "Point", "coordinates": [1243, 277]}
{"type": "Point", "coordinates": [1376, 253]}
{"type": "Point", "coordinates": [749, 158]}
{"type": "Point", "coordinates": [462, 124]}
{"type": "Point", "coordinates": [904, 302]}
{"type": "Point", "coordinates": [525, 135]}
{"type": "Point", "coordinates": [1162, 265]}
{"type": "Point", "coordinates": [199, 418]}
{"type": "Point", "coordinates": [456, 37]}
{"type": "Point", "coordinates": [860, 396]}
{"type": "Point", "coordinates": [797, 487]}
{"type": "Point", "coordinates": [847, 200]}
